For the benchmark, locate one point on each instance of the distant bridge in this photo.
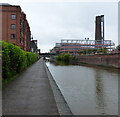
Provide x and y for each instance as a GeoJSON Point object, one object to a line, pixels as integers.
{"type": "Point", "coordinates": [47, 54]}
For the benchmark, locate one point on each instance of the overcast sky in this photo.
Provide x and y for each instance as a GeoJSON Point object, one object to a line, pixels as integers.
{"type": "Point", "coordinates": [52, 21]}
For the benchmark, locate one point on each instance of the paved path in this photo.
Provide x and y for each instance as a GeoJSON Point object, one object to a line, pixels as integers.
{"type": "Point", "coordinates": [30, 93]}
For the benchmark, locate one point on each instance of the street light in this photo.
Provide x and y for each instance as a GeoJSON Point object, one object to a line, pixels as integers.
{"type": "Point", "coordinates": [87, 44]}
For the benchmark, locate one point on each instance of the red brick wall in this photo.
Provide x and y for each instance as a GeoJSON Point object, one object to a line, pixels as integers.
{"type": "Point", "coordinates": [106, 60]}
{"type": "Point", "coordinates": [7, 11]}
{"type": "Point", "coordinates": [7, 21]}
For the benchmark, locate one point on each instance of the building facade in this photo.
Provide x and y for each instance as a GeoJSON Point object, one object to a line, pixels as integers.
{"type": "Point", "coordinates": [75, 46]}
{"type": "Point", "coordinates": [15, 27]}
{"type": "Point", "coordinates": [33, 46]}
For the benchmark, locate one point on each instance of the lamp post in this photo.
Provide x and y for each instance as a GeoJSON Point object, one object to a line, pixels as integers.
{"type": "Point", "coordinates": [31, 38]}
{"type": "Point", "coordinates": [87, 44]}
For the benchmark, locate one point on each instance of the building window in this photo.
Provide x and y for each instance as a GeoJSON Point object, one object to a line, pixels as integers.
{"type": "Point", "coordinates": [13, 26]}
{"type": "Point", "coordinates": [20, 31]}
{"type": "Point", "coordinates": [13, 16]}
{"type": "Point", "coordinates": [12, 36]}
{"type": "Point", "coordinates": [21, 41]}
{"type": "Point", "coordinates": [20, 21]}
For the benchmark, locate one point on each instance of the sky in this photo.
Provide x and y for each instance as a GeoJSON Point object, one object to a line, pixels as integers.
{"type": "Point", "coordinates": [52, 21]}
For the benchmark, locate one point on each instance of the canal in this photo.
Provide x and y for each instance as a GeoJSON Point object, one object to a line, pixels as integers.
{"type": "Point", "coordinates": [88, 90]}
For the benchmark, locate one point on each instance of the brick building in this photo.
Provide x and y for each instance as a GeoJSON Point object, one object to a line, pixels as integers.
{"type": "Point", "coordinates": [33, 46]}
{"type": "Point", "coordinates": [15, 27]}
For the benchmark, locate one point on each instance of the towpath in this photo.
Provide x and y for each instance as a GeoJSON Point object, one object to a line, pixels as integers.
{"type": "Point", "coordinates": [30, 93]}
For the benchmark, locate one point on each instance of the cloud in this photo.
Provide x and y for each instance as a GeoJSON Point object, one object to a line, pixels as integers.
{"type": "Point", "coordinates": [52, 21]}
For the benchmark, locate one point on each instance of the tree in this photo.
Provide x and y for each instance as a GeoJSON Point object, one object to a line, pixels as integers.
{"type": "Point", "coordinates": [118, 47]}
{"type": "Point", "coordinates": [102, 50]}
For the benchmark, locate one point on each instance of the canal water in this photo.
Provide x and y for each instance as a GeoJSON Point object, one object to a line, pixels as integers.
{"type": "Point", "coordinates": [88, 90]}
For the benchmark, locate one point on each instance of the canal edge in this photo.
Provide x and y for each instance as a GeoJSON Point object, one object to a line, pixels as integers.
{"type": "Point", "coordinates": [61, 103]}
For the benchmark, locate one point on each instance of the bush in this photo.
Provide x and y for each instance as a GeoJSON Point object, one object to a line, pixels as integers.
{"type": "Point", "coordinates": [102, 50]}
{"type": "Point", "coordinates": [15, 60]}
{"type": "Point", "coordinates": [93, 51]}
{"type": "Point", "coordinates": [118, 47]}
{"type": "Point", "coordinates": [64, 57]}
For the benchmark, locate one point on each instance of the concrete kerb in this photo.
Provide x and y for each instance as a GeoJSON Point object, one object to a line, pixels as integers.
{"type": "Point", "coordinates": [62, 105]}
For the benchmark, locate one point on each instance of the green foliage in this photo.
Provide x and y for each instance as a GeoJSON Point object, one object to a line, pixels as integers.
{"type": "Point", "coordinates": [64, 57]}
{"type": "Point", "coordinates": [88, 51]}
{"type": "Point", "coordinates": [83, 51]}
{"type": "Point", "coordinates": [93, 51]}
{"type": "Point", "coordinates": [15, 60]}
{"type": "Point", "coordinates": [118, 47]}
{"type": "Point", "coordinates": [102, 50]}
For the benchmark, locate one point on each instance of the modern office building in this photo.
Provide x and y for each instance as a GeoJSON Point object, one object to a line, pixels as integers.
{"type": "Point", "coordinates": [75, 46]}
{"type": "Point", "coordinates": [15, 27]}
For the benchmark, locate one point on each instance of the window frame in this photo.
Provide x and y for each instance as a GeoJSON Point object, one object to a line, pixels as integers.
{"type": "Point", "coordinates": [21, 40]}
{"type": "Point", "coordinates": [12, 16]}
{"type": "Point", "coordinates": [13, 26]}
{"type": "Point", "coordinates": [12, 36]}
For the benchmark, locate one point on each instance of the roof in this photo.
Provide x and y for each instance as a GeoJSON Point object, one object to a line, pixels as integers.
{"type": "Point", "coordinates": [5, 4]}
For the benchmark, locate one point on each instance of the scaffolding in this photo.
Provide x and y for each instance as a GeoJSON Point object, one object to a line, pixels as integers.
{"type": "Point", "coordinates": [89, 43]}
{"type": "Point", "coordinates": [72, 45]}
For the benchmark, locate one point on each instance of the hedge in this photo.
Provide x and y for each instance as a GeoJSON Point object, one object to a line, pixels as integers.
{"type": "Point", "coordinates": [15, 60]}
{"type": "Point", "coordinates": [65, 57]}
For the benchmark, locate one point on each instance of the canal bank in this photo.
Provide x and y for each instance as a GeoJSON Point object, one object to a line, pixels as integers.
{"type": "Point", "coordinates": [62, 105]}
{"type": "Point", "coordinates": [108, 60]}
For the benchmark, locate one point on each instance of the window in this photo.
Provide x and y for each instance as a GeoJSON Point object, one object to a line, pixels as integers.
{"type": "Point", "coordinates": [21, 41]}
{"type": "Point", "coordinates": [20, 21]}
{"type": "Point", "coordinates": [12, 36]}
{"type": "Point", "coordinates": [20, 31]}
{"type": "Point", "coordinates": [13, 26]}
{"type": "Point", "coordinates": [13, 16]}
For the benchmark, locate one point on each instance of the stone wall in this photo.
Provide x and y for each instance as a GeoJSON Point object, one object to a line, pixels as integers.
{"type": "Point", "coordinates": [110, 60]}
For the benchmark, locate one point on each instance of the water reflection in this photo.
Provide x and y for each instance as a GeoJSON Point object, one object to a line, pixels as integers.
{"type": "Point", "coordinates": [60, 63]}
{"type": "Point", "coordinates": [88, 90]}
{"type": "Point", "coordinates": [100, 99]}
